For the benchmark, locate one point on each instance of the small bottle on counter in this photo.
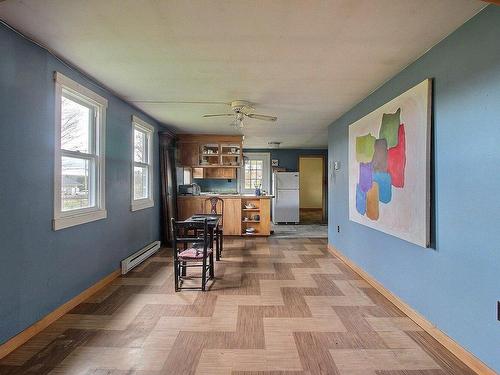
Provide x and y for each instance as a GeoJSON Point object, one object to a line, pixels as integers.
{"type": "Point", "coordinates": [257, 190]}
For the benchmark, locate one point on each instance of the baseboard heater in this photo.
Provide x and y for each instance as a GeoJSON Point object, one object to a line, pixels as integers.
{"type": "Point", "coordinates": [139, 257]}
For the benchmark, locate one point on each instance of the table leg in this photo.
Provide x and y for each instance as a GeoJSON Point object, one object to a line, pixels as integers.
{"type": "Point", "coordinates": [217, 254]}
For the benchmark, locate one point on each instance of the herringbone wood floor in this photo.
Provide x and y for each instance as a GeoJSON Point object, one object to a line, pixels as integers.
{"type": "Point", "coordinates": [277, 307]}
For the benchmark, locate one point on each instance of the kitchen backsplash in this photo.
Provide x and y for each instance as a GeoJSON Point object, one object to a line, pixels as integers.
{"type": "Point", "coordinates": [217, 185]}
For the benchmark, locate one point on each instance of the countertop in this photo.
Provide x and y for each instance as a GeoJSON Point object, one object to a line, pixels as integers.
{"type": "Point", "coordinates": [208, 195]}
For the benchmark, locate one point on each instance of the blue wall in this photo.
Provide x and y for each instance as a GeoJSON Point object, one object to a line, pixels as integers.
{"type": "Point", "coordinates": [41, 269]}
{"type": "Point", "coordinates": [456, 284]}
{"type": "Point", "coordinates": [289, 157]}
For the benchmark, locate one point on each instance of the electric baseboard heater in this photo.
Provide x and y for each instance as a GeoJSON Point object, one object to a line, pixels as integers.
{"type": "Point", "coordinates": [140, 256]}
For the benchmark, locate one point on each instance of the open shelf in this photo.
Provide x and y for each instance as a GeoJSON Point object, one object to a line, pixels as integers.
{"type": "Point", "coordinates": [250, 234]}
{"type": "Point", "coordinates": [250, 221]}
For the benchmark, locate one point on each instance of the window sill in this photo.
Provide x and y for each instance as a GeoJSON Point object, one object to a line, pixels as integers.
{"type": "Point", "coordinates": [141, 205]}
{"type": "Point", "coordinates": [77, 219]}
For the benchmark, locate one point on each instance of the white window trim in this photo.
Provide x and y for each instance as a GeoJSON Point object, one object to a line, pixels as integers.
{"type": "Point", "coordinates": [141, 204]}
{"type": "Point", "coordinates": [71, 218]}
{"type": "Point", "coordinates": [266, 171]}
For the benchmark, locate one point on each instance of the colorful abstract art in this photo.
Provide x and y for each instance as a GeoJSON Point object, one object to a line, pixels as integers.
{"type": "Point", "coordinates": [389, 159]}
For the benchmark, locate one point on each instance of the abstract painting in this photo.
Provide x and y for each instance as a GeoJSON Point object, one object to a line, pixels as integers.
{"type": "Point", "coordinates": [389, 166]}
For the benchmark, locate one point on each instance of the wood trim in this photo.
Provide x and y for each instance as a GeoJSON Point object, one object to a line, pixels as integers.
{"type": "Point", "coordinates": [43, 323]}
{"type": "Point", "coordinates": [324, 186]}
{"type": "Point", "coordinates": [471, 361]}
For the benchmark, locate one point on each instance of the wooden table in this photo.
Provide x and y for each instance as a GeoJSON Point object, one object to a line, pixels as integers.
{"type": "Point", "coordinates": [213, 222]}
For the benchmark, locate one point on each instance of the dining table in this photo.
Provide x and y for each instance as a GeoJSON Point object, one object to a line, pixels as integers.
{"type": "Point", "coordinates": [213, 222]}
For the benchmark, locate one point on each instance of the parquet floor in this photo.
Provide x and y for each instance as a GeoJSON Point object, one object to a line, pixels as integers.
{"type": "Point", "coordinates": [277, 307]}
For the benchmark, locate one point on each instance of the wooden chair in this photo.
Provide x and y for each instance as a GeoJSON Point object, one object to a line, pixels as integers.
{"type": "Point", "coordinates": [192, 248]}
{"type": "Point", "coordinates": [219, 233]}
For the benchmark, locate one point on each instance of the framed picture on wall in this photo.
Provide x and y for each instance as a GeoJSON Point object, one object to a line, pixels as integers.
{"type": "Point", "coordinates": [274, 162]}
{"type": "Point", "coordinates": [389, 166]}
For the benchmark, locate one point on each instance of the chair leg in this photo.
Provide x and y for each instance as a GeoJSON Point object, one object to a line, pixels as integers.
{"type": "Point", "coordinates": [183, 269]}
{"type": "Point", "coordinates": [212, 273]}
{"type": "Point", "coordinates": [221, 235]}
{"type": "Point", "coordinates": [176, 275]}
{"type": "Point", "coordinates": [217, 247]}
{"type": "Point", "coordinates": [204, 275]}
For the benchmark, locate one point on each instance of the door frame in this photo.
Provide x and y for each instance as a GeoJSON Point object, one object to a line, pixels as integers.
{"type": "Point", "coordinates": [324, 187]}
{"type": "Point", "coordinates": [266, 171]}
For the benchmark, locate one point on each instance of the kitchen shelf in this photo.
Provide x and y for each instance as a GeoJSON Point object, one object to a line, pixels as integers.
{"type": "Point", "coordinates": [250, 221]}
{"type": "Point", "coordinates": [251, 209]}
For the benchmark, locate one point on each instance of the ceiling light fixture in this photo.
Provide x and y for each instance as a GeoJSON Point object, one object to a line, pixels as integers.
{"type": "Point", "coordinates": [274, 144]}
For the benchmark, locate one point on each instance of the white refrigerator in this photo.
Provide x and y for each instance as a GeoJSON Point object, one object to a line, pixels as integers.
{"type": "Point", "coordinates": [286, 197]}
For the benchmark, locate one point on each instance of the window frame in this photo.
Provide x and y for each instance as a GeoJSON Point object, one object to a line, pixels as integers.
{"type": "Point", "coordinates": [266, 171]}
{"type": "Point", "coordinates": [148, 130]}
{"type": "Point", "coordinates": [65, 219]}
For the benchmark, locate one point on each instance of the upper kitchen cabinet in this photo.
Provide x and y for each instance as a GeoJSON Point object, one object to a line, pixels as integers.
{"type": "Point", "coordinates": [187, 154]}
{"type": "Point", "coordinates": [209, 150]}
{"type": "Point", "coordinates": [209, 155]}
{"type": "Point", "coordinates": [231, 154]}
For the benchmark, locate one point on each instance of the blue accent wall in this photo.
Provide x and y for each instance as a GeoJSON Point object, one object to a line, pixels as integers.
{"type": "Point", "coordinates": [289, 157]}
{"type": "Point", "coordinates": [456, 284]}
{"type": "Point", "coordinates": [40, 269]}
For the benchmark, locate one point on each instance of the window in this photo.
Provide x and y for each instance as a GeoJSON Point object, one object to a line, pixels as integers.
{"type": "Point", "coordinates": [142, 165]}
{"type": "Point", "coordinates": [79, 195]}
{"type": "Point", "coordinates": [255, 172]}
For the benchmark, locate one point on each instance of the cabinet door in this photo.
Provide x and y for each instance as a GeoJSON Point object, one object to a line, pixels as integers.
{"type": "Point", "coordinates": [221, 173]}
{"type": "Point", "coordinates": [232, 217]}
{"type": "Point", "coordinates": [265, 217]}
{"type": "Point", "coordinates": [187, 207]}
{"type": "Point", "coordinates": [198, 173]}
{"type": "Point", "coordinates": [188, 154]}
{"type": "Point", "coordinates": [229, 173]}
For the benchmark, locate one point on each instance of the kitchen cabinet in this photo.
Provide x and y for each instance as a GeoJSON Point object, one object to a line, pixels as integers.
{"type": "Point", "coordinates": [222, 173]}
{"type": "Point", "coordinates": [217, 173]}
{"type": "Point", "coordinates": [231, 221]}
{"type": "Point", "coordinates": [198, 172]}
{"type": "Point", "coordinates": [188, 206]}
{"type": "Point", "coordinates": [237, 216]}
{"type": "Point", "coordinates": [256, 214]}
{"type": "Point", "coordinates": [232, 217]}
{"type": "Point", "coordinates": [187, 154]}
{"type": "Point", "coordinates": [210, 150]}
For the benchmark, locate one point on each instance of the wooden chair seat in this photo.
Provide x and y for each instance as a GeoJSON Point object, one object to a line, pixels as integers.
{"type": "Point", "coordinates": [193, 254]}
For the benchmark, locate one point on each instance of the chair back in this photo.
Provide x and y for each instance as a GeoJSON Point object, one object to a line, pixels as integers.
{"type": "Point", "coordinates": [213, 207]}
{"type": "Point", "coordinates": [189, 233]}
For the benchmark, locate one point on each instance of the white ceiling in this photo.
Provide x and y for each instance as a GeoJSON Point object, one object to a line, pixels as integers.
{"type": "Point", "coordinates": [306, 62]}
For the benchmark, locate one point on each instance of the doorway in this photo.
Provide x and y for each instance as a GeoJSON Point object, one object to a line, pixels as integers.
{"type": "Point", "coordinates": [312, 189]}
{"type": "Point", "coordinates": [255, 172]}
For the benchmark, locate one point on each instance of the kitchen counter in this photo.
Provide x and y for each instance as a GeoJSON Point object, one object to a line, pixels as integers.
{"type": "Point", "coordinates": [223, 195]}
{"type": "Point", "coordinates": [241, 211]}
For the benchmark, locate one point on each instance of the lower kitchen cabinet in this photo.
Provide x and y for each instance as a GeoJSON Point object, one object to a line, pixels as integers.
{"type": "Point", "coordinates": [231, 221]}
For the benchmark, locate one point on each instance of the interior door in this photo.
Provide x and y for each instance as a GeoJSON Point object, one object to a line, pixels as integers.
{"type": "Point", "coordinates": [256, 170]}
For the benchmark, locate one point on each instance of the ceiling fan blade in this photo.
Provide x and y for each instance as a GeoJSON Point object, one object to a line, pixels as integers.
{"type": "Point", "coordinates": [174, 102]}
{"type": "Point", "coordinates": [220, 115]}
{"type": "Point", "coordinates": [261, 117]}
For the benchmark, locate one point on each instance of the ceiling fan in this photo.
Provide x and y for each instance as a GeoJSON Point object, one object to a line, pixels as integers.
{"type": "Point", "coordinates": [242, 109]}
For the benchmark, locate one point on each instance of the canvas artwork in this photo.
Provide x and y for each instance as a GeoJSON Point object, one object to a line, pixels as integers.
{"type": "Point", "coordinates": [389, 166]}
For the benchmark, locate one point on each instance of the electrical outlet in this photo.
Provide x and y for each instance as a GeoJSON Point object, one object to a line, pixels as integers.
{"type": "Point", "coordinates": [338, 231]}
